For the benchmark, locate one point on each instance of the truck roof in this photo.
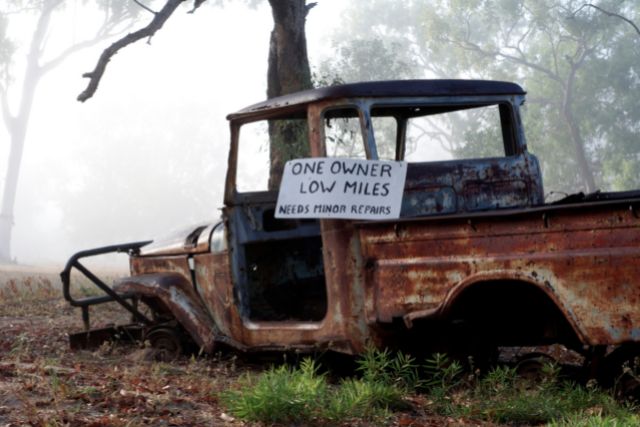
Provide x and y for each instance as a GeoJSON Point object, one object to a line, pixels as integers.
{"type": "Point", "coordinates": [382, 89]}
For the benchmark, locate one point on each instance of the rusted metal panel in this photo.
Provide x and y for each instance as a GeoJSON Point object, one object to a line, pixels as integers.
{"type": "Point", "coordinates": [471, 185]}
{"type": "Point", "coordinates": [345, 283]}
{"type": "Point", "coordinates": [193, 239]}
{"type": "Point", "coordinates": [213, 282]}
{"type": "Point", "coordinates": [584, 259]}
{"type": "Point", "coordinates": [161, 264]}
{"type": "Point", "coordinates": [177, 295]}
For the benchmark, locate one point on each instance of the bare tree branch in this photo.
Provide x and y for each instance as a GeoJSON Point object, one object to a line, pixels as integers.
{"type": "Point", "coordinates": [497, 53]}
{"type": "Point", "coordinates": [523, 37]}
{"type": "Point", "coordinates": [21, 10]}
{"type": "Point", "coordinates": [53, 63]}
{"type": "Point", "coordinates": [156, 23]}
{"type": "Point", "coordinates": [606, 12]}
{"type": "Point", "coordinates": [196, 5]}
{"type": "Point", "coordinates": [144, 6]}
{"type": "Point", "coordinates": [106, 30]}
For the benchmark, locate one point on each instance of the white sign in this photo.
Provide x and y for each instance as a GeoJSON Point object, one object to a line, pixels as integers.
{"type": "Point", "coordinates": [325, 187]}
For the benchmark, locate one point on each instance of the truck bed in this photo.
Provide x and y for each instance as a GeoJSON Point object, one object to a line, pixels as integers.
{"type": "Point", "coordinates": [582, 254]}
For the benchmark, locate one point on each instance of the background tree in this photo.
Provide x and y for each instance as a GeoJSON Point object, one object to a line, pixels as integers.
{"type": "Point", "coordinates": [570, 63]}
{"type": "Point", "coordinates": [579, 65]}
{"type": "Point", "coordinates": [39, 61]}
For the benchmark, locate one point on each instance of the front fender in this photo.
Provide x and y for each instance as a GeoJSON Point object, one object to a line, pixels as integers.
{"type": "Point", "coordinates": [177, 294]}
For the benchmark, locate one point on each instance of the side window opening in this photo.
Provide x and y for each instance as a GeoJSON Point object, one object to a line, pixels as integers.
{"type": "Point", "coordinates": [343, 134]}
{"type": "Point", "coordinates": [434, 134]}
{"type": "Point", "coordinates": [252, 171]}
{"type": "Point", "coordinates": [263, 149]}
{"type": "Point", "coordinates": [385, 133]}
{"type": "Point", "coordinates": [475, 145]}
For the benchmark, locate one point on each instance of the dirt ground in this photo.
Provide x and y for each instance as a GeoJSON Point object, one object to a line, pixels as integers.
{"type": "Point", "coordinates": [44, 383]}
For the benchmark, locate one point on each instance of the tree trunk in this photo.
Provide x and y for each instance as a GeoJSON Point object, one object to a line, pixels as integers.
{"type": "Point", "coordinates": [288, 72]}
{"type": "Point", "coordinates": [583, 164]}
{"type": "Point", "coordinates": [576, 137]}
{"type": "Point", "coordinates": [18, 133]}
{"type": "Point", "coordinates": [17, 128]}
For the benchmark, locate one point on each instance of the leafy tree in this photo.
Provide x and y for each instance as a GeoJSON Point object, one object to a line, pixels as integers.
{"type": "Point", "coordinates": [579, 62]}
{"type": "Point", "coordinates": [39, 61]}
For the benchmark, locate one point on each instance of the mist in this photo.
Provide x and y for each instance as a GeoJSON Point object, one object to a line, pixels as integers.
{"type": "Point", "coordinates": [148, 153]}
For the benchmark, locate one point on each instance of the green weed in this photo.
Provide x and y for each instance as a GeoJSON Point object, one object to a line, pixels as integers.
{"type": "Point", "coordinates": [386, 382]}
{"type": "Point", "coordinates": [590, 420]}
{"type": "Point", "coordinates": [288, 395]}
{"type": "Point", "coordinates": [281, 394]}
{"type": "Point", "coordinates": [381, 366]}
{"type": "Point", "coordinates": [442, 373]}
{"type": "Point", "coordinates": [360, 399]}
{"type": "Point", "coordinates": [502, 397]}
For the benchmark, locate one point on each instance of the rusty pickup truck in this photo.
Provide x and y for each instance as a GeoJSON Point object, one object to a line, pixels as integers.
{"type": "Point", "coordinates": [475, 260]}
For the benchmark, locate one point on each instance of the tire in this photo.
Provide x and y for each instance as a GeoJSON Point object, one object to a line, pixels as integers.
{"type": "Point", "coordinates": [621, 372]}
{"type": "Point", "coordinates": [166, 343]}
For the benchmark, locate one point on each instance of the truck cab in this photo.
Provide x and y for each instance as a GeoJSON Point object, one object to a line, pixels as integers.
{"type": "Point", "coordinates": [474, 255]}
{"type": "Point", "coordinates": [298, 280]}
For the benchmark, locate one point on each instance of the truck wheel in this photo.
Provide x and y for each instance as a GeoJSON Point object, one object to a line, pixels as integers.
{"type": "Point", "coordinates": [165, 342]}
{"type": "Point", "coordinates": [622, 372]}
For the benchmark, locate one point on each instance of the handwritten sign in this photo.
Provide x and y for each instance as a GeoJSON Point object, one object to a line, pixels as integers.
{"type": "Point", "coordinates": [341, 188]}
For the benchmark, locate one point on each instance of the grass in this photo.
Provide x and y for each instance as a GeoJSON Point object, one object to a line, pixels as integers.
{"type": "Point", "coordinates": [504, 398]}
{"type": "Point", "coordinates": [287, 394]}
{"type": "Point", "coordinates": [113, 386]}
{"type": "Point", "coordinates": [586, 420]}
{"type": "Point", "coordinates": [28, 296]}
{"type": "Point", "coordinates": [386, 384]}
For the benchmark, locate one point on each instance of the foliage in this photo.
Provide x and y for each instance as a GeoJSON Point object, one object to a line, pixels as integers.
{"type": "Point", "coordinates": [580, 66]}
{"type": "Point", "coordinates": [502, 397]}
{"type": "Point", "coordinates": [589, 420]}
{"type": "Point", "coordinates": [366, 59]}
{"type": "Point", "coordinates": [443, 374]}
{"type": "Point", "coordinates": [287, 395]}
{"type": "Point", "coordinates": [280, 394]}
{"type": "Point", "coordinates": [302, 395]}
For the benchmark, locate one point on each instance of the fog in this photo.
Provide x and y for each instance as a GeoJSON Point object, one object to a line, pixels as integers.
{"type": "Point", "coordinates": [147, 154]}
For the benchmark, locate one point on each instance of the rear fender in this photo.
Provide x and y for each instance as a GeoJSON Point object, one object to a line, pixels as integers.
{"type": "Point", "coordinates": [176, 293]}
{"type": "Point", "coordinates": [481, 279]}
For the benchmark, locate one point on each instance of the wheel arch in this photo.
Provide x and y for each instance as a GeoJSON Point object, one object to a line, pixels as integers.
{"type": "Point", "coordinates": [178, 296]}
{"type": "Point", "coordinates": [496, 290]}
